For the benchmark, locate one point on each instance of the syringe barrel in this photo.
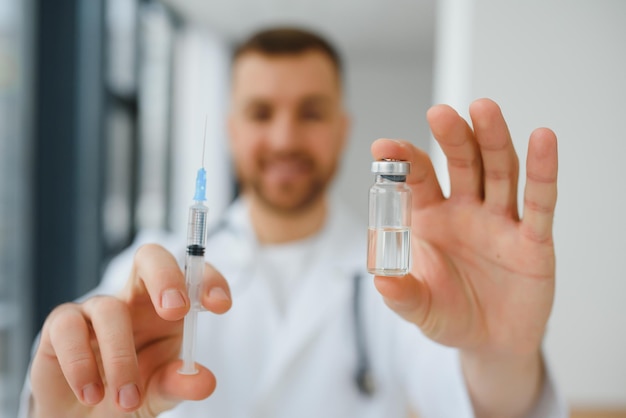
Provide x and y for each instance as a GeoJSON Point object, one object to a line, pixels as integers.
{"type": "Point", "coordinates": [194, 272]}
{"type": "Point", "coordinates": [196, 228]}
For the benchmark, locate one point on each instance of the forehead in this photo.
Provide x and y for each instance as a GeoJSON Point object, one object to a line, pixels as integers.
{"type": "Point", "coordinates": [284, 76]}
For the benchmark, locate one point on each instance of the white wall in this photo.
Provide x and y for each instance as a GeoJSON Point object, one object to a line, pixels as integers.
{"type": "Point", "coordinates": [562, 64]}
{"type": "Point", "coordinates": [387, 96]}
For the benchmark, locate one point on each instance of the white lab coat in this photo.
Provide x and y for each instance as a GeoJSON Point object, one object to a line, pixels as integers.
{"type": "Point", "coordinates": [303, 364]}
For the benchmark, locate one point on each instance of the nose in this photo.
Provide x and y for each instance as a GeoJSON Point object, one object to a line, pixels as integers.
{"type": "Point", "coordinates": [284, 134]}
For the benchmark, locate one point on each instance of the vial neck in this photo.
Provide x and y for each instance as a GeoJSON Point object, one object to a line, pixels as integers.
{"type": "Point", "coordinates": [387, 178]}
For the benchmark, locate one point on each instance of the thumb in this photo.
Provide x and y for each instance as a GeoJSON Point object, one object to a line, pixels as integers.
{"type": "Point", "coordinates": [407, 296]}
{"type": "Point", "coordinates": [168, 387]}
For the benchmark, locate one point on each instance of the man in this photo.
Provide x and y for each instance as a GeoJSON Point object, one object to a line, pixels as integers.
{"type": "Point", "coordinates": [305, 320]}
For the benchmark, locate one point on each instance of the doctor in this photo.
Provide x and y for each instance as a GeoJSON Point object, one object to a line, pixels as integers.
{"type": "Point", "coordinates": [308, 334]}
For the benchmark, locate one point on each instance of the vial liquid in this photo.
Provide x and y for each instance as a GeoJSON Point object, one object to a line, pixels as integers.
{"type": "Point", "coordinates": [388, 253]}
{"type": "Point", "coordinates": [389, 233]}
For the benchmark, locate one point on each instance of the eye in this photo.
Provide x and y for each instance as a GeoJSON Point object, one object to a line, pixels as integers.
{"type": "Point", "coordinates": [312, 114]}
{"type": "Point", "coordinates": [260, 113]}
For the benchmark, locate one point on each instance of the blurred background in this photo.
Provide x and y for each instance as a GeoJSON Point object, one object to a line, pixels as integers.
{"type": "Point", "coordinates": [102, 111]}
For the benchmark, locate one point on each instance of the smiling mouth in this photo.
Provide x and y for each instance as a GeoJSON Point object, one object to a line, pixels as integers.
{"type": "Point", "coordinates": [291, 167]}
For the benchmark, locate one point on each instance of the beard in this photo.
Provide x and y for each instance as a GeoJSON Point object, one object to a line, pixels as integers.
{"type": "Point", "coordinates": [289, 195]}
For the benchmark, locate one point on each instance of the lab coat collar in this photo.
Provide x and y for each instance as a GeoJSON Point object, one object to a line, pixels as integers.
{"type": "Point", "coordinates": [343, 236]}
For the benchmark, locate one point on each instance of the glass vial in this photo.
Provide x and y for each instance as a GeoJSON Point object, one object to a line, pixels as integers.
{"type": "Point", "coordinates": [389, 232]}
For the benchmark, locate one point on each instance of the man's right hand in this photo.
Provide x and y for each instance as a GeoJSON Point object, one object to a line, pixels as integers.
{"type": "Point", "coordinates": [111, 356]}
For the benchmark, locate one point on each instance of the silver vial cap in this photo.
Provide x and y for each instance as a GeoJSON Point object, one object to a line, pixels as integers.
{"type": "Point", "coordinates": [391, 167]}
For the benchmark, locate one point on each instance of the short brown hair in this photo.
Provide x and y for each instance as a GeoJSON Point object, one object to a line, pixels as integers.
{"type": "Point", "coordinates": [289, 41]}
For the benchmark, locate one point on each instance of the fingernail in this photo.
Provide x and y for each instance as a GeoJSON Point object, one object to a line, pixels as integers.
{"type": "Point", "coordinates": [129, 396]}
{"type": "Point", "coordinates": [91, 394]}
{"type": "Point", "coordinates": [172, 299]}
{"type": "Point", "coordinates": [218, 293]}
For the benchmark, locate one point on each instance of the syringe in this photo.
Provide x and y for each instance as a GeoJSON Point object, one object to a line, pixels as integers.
{"type": "Point", "coordinates": [194, 270]}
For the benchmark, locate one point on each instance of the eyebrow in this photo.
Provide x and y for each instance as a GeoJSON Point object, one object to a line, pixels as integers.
{"type": "Point", "coordinates": [313, 100]}
{"type": "Point", "coordinates": [317, 100]}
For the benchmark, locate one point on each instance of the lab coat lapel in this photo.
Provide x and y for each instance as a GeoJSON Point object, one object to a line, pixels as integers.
{"type": "Point", "coordinates": [324, 291]}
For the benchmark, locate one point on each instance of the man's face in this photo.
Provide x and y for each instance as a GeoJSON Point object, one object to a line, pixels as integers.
{"type": "Point", "coordinates": [287, 127]}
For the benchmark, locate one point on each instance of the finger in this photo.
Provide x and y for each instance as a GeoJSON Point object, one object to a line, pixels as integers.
{"type": "Point", "coordinates": [500, 163]}
{"type": "Point", "coordinates": [217, 297]}
{"type": "Point", "coordinates": [156, 272]}
{"type": "Point", "coordinates": [457, 141]}
{"type": "Point", "coordinates": [541, 185]}
{"type": "Point", "coordinates": [422, 178]}
{"type": "Point", "coordinates": [112, 326]}
{"type": "Point", "coordinates": [406, 295]}
{"type": "Point", "coordinates": [66, 344]}
{"type": "Point", "coordinates": [171, 387]}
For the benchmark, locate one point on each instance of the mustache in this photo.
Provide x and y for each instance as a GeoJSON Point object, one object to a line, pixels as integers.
{"type": "Point", "coordinates": [300, 158]}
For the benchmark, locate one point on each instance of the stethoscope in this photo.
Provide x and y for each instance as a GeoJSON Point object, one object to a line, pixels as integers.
{"type": "Point", "coordinates": [363, 376]}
